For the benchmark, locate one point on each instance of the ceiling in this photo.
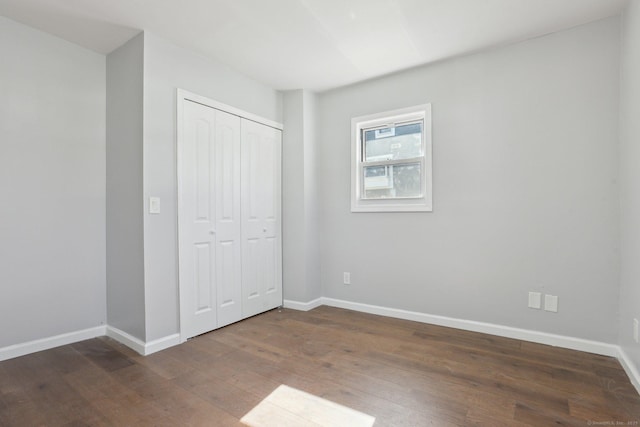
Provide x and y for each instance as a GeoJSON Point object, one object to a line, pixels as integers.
{"type": "Point", "coordinates": [311, 44]}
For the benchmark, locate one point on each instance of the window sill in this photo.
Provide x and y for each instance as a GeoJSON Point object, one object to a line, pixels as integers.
{"type": "Point", "coordinates": [391, 208]}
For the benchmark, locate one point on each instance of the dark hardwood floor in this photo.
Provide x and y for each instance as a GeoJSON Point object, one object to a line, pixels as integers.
{"type": "Point", "coordinates": [403, 373]}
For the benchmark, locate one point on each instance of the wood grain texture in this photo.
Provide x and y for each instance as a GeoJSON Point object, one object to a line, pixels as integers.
{"type": "Point", "coordinates": [403, 373]}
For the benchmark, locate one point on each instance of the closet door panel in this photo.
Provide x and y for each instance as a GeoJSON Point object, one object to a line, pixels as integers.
{"type": "Point", "coordinates": [261, 225]}
{"type": "Point", "coordinates": [228, 218]}
{"type": "Point", "coordinates": [196, 219]}
{"type": "Point", "coordinates": [209, 219]}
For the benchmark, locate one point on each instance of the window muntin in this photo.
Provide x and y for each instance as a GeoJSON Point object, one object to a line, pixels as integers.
{"type": "Point", "coordinates": [391, 161]}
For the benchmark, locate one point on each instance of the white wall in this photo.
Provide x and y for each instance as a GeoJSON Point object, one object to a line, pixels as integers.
{"type": "Point", "coordinates": [166, 68]}
{"type": "Point", "coordinates": [300, 233]}
{"type": "Point", "coordinates": [293, 198]}
{"type": "Point", "coordinates": [630, 181]}
{"type": "Point", "coordinates": [311, 197]}
{"type": "Point", "coordinates": [125, 207]}
{"type": "Point", "coordinates": [52, 186]}
{"type": "Point", "coordinates": [525, 194]}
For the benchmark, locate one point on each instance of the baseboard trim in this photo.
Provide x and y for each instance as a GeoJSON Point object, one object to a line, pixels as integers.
{"type": "Point", "coordinates": [303, 306]}
{"type": "Point", "coordinates": [161, 344]}
{"type": "Point", "coordinates": [129, 340]}
{"type": "Point", "coordinates": [139, 346]}
{"type": "Point", "coordinates": [35, 346]}
{"type": "Point", "coordinates": [122, 337]}
{"type": "Point", "coordinates": [154, 346]}
{"type": "Point", "coordinates": [572, 343]}
{"type": "Point", "coordinates": [630, 368]}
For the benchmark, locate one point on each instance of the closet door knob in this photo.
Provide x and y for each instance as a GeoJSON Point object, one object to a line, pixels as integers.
{"type": "Point", "coordinates": [264, 230]}
{"type": "Point", "coordinates": [212, 231]}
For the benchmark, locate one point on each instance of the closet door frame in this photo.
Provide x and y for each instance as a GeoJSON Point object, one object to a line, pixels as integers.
{"type": "Point", "coordinates": [183, 96]}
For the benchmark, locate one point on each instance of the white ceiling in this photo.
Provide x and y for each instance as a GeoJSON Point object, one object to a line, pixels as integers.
{"type": "Point", "coordinates": [311, 44]}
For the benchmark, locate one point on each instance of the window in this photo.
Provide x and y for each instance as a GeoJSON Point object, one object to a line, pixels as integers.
{"type": "Point", "coordinates": [391, 161]}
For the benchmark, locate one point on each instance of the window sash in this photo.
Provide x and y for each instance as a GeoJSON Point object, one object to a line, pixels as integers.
{"type": "Point", "coordinates": [387, 125]}
{"type": "Point", "coordinates": [362, 164]}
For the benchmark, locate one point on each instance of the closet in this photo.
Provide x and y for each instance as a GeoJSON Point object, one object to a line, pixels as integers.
{"type": "Point", "coordinates": [229, 214]}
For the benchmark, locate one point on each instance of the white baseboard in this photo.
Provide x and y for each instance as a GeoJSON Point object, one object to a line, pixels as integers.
{"type": "Point", "coordinates": [161, 344]}
{"type": "Point", "coordinates": [468, 325]}
{"type": "Point", "coordinates": [486, 328]}
{"type": "Point", "coordinates": [130, 341]}
{"type": "Point", "coordinates": [303, 306]}
{"type": "Point", "coordinates": [572, 343]}
{"type": "Point", "coordinates": [629, 368]}
{"type": "Point", "coordinates": [122, 337]}
{"type": "Point", "coordinates": [23, 349]}
{"type": "Point", "coordinates": [140, 346]}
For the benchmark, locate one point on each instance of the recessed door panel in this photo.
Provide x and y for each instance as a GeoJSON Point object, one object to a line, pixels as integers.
{"type": "Point", "coordinates": [268, 149]}
{"type": "Point", "coordinates": [253, 169]}
{"type": "Point", "coordinates": [203, 258]}
{"type": "Point", "coordinates": [270, 261]}
{"type": "Point", "coordinates": [228, 176]}
{"type": "Point", "coordinates": [229, 292]}
{"type": "Point", "coordinates": [203, 141]}
{"type": "Point", "coordinates": [251, 284]}
{"type": "Point", "coordinates": [226, 293]}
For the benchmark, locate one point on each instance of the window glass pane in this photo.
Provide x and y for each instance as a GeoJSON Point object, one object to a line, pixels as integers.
{"type": "Point", "coordinates": [393, 143]}
{"type": "Point", "coordinates": [392, 181]}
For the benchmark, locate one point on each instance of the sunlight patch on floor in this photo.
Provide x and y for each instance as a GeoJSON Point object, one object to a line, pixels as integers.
{"type": "Point", "coordinates": [289, 407]}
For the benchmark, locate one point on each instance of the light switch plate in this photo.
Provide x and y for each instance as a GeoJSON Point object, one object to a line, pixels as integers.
{"type": "Point", "coordinates": [154, 205]}
{"type": "Point", "coordinates": [551, 303]}
{"type": "Point", "coordinates": [346, 278]}
{"type": "Point", "coordinates": [535, 300]}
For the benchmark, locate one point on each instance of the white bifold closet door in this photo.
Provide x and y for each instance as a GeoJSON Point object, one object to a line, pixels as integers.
{"type": "Point", "coordinates": [210, 218]}
{"type": "Point", "coordinates": [229, 218]}
{"type": "Point", "coordinates": [261, 225]}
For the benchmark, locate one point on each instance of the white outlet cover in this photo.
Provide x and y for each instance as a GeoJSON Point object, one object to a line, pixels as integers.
{"type": "Point", "coordinates": [551, 303]}
{"type": "Point", "coordinates": [346, 278]}
{"type": "Point", "coordinates": [635, 330]}
{"type": "Point", "coordinates": [535, 300]}
{"type": "Point", "coordinates": [154, 205]}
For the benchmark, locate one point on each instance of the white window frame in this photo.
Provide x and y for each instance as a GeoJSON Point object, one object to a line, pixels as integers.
{"type": "Point", "coordinates": [383, 120]}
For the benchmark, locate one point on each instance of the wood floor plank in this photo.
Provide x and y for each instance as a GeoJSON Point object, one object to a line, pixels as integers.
{"type": "Point", "coordinates": [227, 397]}
{"type": "Point", "coordinates": [103, 355]}
{"type": "Point", "coordinates": [403, 373]}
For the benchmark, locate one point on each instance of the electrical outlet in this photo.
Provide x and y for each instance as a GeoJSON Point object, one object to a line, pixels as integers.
{"type": "Point", "coordinates": [551, 303]}
{"type": "Point", "coordinates": [635, 330]}
{"type": "Point", "coordinates": [535, 300]}
{"type": "Point", "coordinates": [346, 278]}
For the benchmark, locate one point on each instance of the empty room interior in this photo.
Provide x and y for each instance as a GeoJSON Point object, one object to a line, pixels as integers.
{"type": "Point", "coordinates": [319, 212]}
